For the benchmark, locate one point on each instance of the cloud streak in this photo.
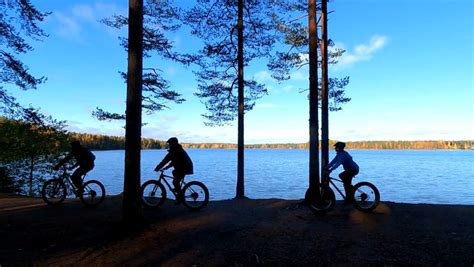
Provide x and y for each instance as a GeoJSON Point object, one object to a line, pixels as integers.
{"type": "Point", "coordinates": [71, 22]}
{"type": "Point", "coordinates": [362, 52]}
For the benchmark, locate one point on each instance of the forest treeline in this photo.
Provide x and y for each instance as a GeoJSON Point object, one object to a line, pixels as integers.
{"type": "Point", "coordinates": [31, 146]}
{"type": "Point", "coordinates": [104, 142]}
{"type": "Point", "coordinates": [354, 145]}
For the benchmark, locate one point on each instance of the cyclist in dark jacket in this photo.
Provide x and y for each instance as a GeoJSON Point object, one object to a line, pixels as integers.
{"type": "Point", "coordinates": [180, 160]}
{"type": "Point", "coordinates": [84, 159]}
{"type": "Point", "coordinates": [351, 169]}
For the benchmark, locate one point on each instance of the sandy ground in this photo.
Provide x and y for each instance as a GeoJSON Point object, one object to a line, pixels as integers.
{"type": "Point", "coordinates": [270, 232]}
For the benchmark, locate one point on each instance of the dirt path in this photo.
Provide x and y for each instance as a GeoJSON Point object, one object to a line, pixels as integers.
{"type": "Point", "coordinates": [237, 233]}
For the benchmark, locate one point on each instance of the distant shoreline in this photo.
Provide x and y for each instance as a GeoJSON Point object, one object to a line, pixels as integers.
{"type": "Point", "coordinates": [104, 142]}
{"type": "Point", "coordinates": [284, 148]}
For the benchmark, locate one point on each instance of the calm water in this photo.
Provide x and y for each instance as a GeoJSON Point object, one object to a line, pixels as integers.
{"type": "Point", "coordinates": [410, 176]}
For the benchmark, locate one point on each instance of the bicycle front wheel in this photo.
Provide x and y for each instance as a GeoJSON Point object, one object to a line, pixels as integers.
{"type": "Point", "coordinates": [326, 203]}
{"type": "Point", "coordinates": [366, 196]}
{"type": "Point", "coordinates": [54, 192]}
{"type": "Point", "coordinates": [153, 194]}
{"type": "Point", "coordinates": [93, 193]}
{"type": "Point", "coordinates": [196, 195]}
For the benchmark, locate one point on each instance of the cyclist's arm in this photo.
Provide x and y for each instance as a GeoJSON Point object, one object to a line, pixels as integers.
{"type": "Point", "coordinates": [169, 166]}
{"type": "Point", "coordinates": [165, 160]}
{"type": "Point", "coordinates": [334, 163]}
{"type": "Point", "coordinates": [64, 160]}
{"type": "Point", "coordinates": [75, 165]}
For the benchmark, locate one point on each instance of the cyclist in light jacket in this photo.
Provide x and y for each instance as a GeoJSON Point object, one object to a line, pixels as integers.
{"type": "Point", "coordinates": [351, 169]}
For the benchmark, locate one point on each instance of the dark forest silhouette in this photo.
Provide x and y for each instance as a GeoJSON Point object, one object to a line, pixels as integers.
{"type": "Point", "coordinates": [239, 32]}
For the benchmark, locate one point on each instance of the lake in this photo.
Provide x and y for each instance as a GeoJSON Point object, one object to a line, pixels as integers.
{"type": "Point", "coordinates": [409, 176]}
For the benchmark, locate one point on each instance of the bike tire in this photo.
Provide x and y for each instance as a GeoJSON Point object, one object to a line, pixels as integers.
{"type": "Point", "coordinates": [153, 194]}
{"type": "Point", "coordinates": [92, 193]}
{"type": "Point", "coordinates": [366, 196]}
{"type": "Point", "coordinates": [328, 200]}
{"type": "Point", "coordinates": [54, 192]}
{"type": "Point", "coordinates": [196, 195]}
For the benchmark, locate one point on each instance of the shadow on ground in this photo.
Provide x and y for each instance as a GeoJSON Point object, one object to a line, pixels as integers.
{"type": "Point", "coordinates": [239, 233]}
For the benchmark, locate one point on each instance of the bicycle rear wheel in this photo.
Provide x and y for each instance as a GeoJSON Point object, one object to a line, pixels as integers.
{"type": "Point", "coordinates": [196, 195]}
{"type": "Point", "coordinates": [153, 194]}
{"type": "Point", "coordinates": [54, 192]}
{"type": "Point", "coordinates": [93, 193]}
{"type": "Point", "coordinates": [326, 203]}
{"type": "Point", "coordinates": [366, 196]}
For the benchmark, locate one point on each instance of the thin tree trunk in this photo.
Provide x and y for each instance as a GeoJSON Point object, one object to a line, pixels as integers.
{"type": "Point", "coordinates": [131, 191]}
{"type": "Point", "coordinates": [240, 132]}
{"type": "Point", "coordinates": [30, 180]}
{"type": "Point", "coordinates": [313, 103]}
{"type": "Point", "coordinates": [324, 87]}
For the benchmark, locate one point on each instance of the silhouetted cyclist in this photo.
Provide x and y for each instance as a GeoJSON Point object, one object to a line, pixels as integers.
{"type": "Point", "coordinates": [84, 159]}
{"type": "Point", "coordinates": [180, 160]}
{"type": "Point", "coordinates": [351, 169]}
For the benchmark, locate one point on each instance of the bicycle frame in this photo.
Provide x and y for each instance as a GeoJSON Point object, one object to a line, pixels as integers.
{"type": "Point", "coordinates": [171, 189]}
{"type": "Point", "coordinates": [66, 178]}
{"type": "Point", "coordinates": [366, 195]}
{"type": "Point", "coordinates": [329, 180]}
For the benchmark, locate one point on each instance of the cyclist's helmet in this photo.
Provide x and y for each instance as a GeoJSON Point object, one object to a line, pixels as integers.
{"type": "Point", "coordinates": [75, 144]}
{"type": "Point", "coordinates": [340, 145]}
{"type": "Point", "coordinates": [173, 141]}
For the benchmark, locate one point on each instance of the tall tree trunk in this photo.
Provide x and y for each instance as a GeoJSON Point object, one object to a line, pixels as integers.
{"type": "Point", "coordinates": [324, 87]}
{"type": "Point", "coordinates": [240, 131]}
{"type": "Point", "coordinates": [313, 103]}
{"type": "Point", "coordinates": [30, 180]}
{"type": "Point", "coordinates": [131, 190]}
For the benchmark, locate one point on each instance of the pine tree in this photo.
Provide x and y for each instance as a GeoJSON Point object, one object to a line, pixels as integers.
{"type": "Point", "coordinates": [19, 21]}
{"type": "Point", "coordinates": [160, 18]}
{"type": "Point", "coordinates": [234, 33]}
{"type": "Point", "coordinates": [304, 49]}
{"type": "Point", "coordinates": [294, 34]}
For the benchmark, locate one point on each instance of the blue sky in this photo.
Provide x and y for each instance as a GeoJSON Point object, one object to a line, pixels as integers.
{"type": "Point", "coordinates": [410, 65]}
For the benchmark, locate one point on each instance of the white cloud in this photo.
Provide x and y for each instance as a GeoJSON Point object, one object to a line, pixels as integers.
{"type": "Point", "coordinates": [299, 76]}
{"type": "Point", "coordinates": [288, 88]}
{"type": "Point", "coordinates": [265, 106]}
{"type": "Point", "coordinates": [71, 23]}
{"type": "Point", "coordinates": [68, 27]}
{"type": "Point", "coordinates": [304, 57]}
{"type": "Point", "coordinates": [272, 136]}
{"type": "Point", "coordinates": [413, 133]}
{"type": "Point", "coordinates": [170, 71]}
{"type": "Point", "coordinates": [104, 128]}
{"type": "Point", "coordinates": [223, 134]}
{"type": "Point", "coordinates": [84, 12]}
{"type": "Point", "coordinates": [362, 52]}
{"type": "Point", "coordinates": [262, 76]}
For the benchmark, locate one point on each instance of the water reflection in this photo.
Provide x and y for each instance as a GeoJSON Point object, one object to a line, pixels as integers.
{"type": "Point", "coordinates": [441, 176]}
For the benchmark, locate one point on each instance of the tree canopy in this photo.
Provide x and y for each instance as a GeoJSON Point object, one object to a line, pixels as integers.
{"type": "Point", "coordinates": [160, 18]}
{"type": "Point", "coordinates": [19, 24]}
{"type": "Point", "coordinates": [293, 33]}
{"type": "Point", "coordinates": [215, 23]}
{"type": "Point", "coordinates": [30, 147]}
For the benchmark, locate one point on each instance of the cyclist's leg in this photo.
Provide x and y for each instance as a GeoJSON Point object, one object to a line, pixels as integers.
{"type": "Point", "coordinates": [177, 177]}
{"type": "Point", "coordinates": [346, 177]}
{"type": "Point", "coordinates": [76, 177]}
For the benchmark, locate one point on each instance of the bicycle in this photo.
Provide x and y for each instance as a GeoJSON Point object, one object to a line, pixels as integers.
{"type": "Point", "coordinates": [54, 191]}
{"type": "Point", "coordinates": [196, 194]}
{"type": "Point", "coordinates": [366, 196]}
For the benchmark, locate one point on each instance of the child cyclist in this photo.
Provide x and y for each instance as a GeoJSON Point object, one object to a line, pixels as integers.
{"type": "Point", "coordinates": [351, 169]}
